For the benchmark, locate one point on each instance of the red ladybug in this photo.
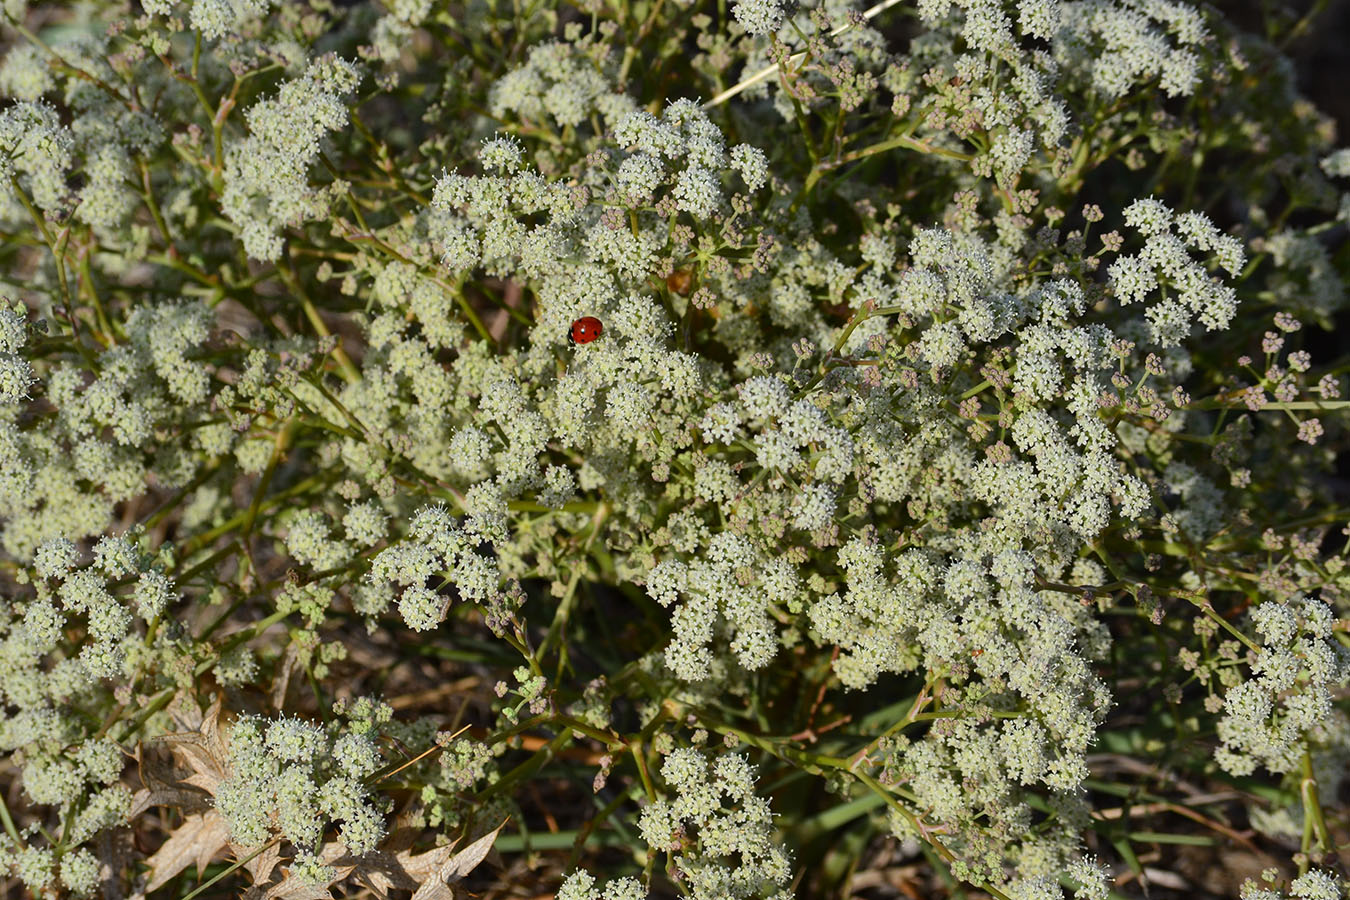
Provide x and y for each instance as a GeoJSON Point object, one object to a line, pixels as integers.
{"type": "Point", "coordinates": [584, 330]}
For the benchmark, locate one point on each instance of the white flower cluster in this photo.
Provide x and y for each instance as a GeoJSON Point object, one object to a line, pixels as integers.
{"type": "Point", "coordinates": [1267, 719]}
{"type": "Point", "coordinates": [479, 223]}
{"type": "Point", "coordinates": [105, 202]}
{"type": "Point", "coordinates": [867, 408]}
{"type": "Point", "coordinates": [95, 149]}
{"type": "Point", "coordinates": [974, 589]}
{"type": "Point", "coordinates": [24, 74]}
{"type": "Point", "coordinates": [48, 685]}
{"type": "Point", "coordinates": [151, 381]}
{"type": "Point", "coordinates": [1070, 476]}
{"type": "Point", "coordinates": [1314, 884]}
{"type": "Point", "coordinates": [759, 16]}
{"type": "Point", "coordinates": [678, 159]}
{"type": "Point", "coordinates": [84, 592]}
{"type": "Point", "coordinates": [1199, 507]}
{"type": "Point", "coordinates": [1190, 293]}
{"type": "Point", "coordinates": [310, 543]}
{"type": "Point", "coordinates": [437, 544]}
{"type": "Point", "coordinates": [393, 31]}
{"type": "Point", "coordinates": [733, 853]}
{"type": "Point", "coordinates": [559, 86]}
{"type": "Point", "coordinates": [580, 885]}
{"type": "Point", "coordinates": [727, 590]}
{"type": "Point", "coordinates": [1113, 48]}
{"type": "Point", "coordinates": [38, 151]}
{"type": "Point", "coordinates": [968, 771]}
{"type": "Point", "coordinates": [37, 868]}
{"type": "Point", "coordinates": [683, 135]}
{"type": "Point", "coordinates": [1129, 43]}
{"type": "Point", "coordinates": [1306, 279]}
{"type": "Point", "coordinates": [292, 778]}
{"type": "Point", "coordinates": [213, 18]}
{"type": "Point", "coordinates": [16, 374]}
{"type": "Point", "coordinates": [939, 616]}
{"type": "Point", "coordinates": [851, 62]}
{"type": "Point", "coordinates": [266, 174]}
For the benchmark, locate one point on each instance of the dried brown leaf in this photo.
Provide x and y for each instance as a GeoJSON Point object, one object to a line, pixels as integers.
{"type": "Point", "coordinates": [331, 854]}
{"type": "Point", "coordinates": [198, 839]}
{"type": "Point", "coordinates": [380, 872]}
{"type": "Point", "coordinates": [259, 867]}
{"type": "Point", "coordinates": [281, 681]}
{"type": "Point", "coordinates": [405, 829]}
{"type": "Point", "coordinates": [466, 860]}
{"type": "Point", "coordinates": [203, 751]}
{"type": "Point", "coordinates": [421, 866]}
{"type": "Point", "coordinates": [186, 714]}
{"type": "Point", "coordinates": [292, 888]}
{"type": "Point", "coordinates": [456, 867]}
{"type": "Point", "coordinates": [178, 798]}
{"type": "Point", "coordinates": [435, 890]}
{"type": "Point", "coordinates": [163, 787]}
{"type": "Point", "coordinates": [207, 781]}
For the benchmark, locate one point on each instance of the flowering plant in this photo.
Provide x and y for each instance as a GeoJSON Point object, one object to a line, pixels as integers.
{"type": "Point", "coordinates": [621, 448]}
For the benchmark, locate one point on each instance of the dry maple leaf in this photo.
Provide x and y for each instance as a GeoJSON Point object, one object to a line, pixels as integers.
{"type": "Point", "coordinates": [291, 888]}
{"type": "Point", "coordinates": [202, 838]}
{"type": "Point", "coordinates": [162, 787]}
{"type": "Point", "coordinates": [259, 866]}
{"type": "Point", "coordinates": [204, 751]}
{"type": "Point", "coordinates": [428, 874]}
{"type": "Point", "coordinates": [453, 868]}
{"type": "Point", "coordinates": [198, 839]}
{"type": "Point", "coordinates": [380, 872]}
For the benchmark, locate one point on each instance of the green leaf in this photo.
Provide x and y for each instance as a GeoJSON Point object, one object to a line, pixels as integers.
{"type": "Point", "coordinates": [1122, 845]}
{"type": "Point", "coordinates": [1158, 837]}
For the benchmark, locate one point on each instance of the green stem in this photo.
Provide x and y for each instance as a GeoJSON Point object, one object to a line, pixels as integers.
{"type": "Point", "coordinates": [196, 543]}
{"type": "Point", "coordinates": [279, 448]}
{"type": "Point", "coordinates": [10, 829]}
{"type": "Point", "coordinates": [1208, 609]}
{"type": "Point", "coordinates": [239, 637]}
{"type": "Point", "coordinates": [1313, 819]}
{"type": "Point", "coordinates": [345, 365]}
{"type": "Point", "coordinates": [57, 246]}
{"type": "Point", "coordinates": [859, 316]}
{"type": "Point", "coordinates": [206, 563]}
{"type": "Point", "coordinates": [158, 702]}
{"type": "Point", "coordinates": [87, 283]}
{"type": "Point", "coordinates": [640, 757]}
{"type": "Point", "coordinates": [609, 740]}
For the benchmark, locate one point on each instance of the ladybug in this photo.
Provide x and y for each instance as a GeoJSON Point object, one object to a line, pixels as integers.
{"type": "Point", "coordinates": [584, 330]}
